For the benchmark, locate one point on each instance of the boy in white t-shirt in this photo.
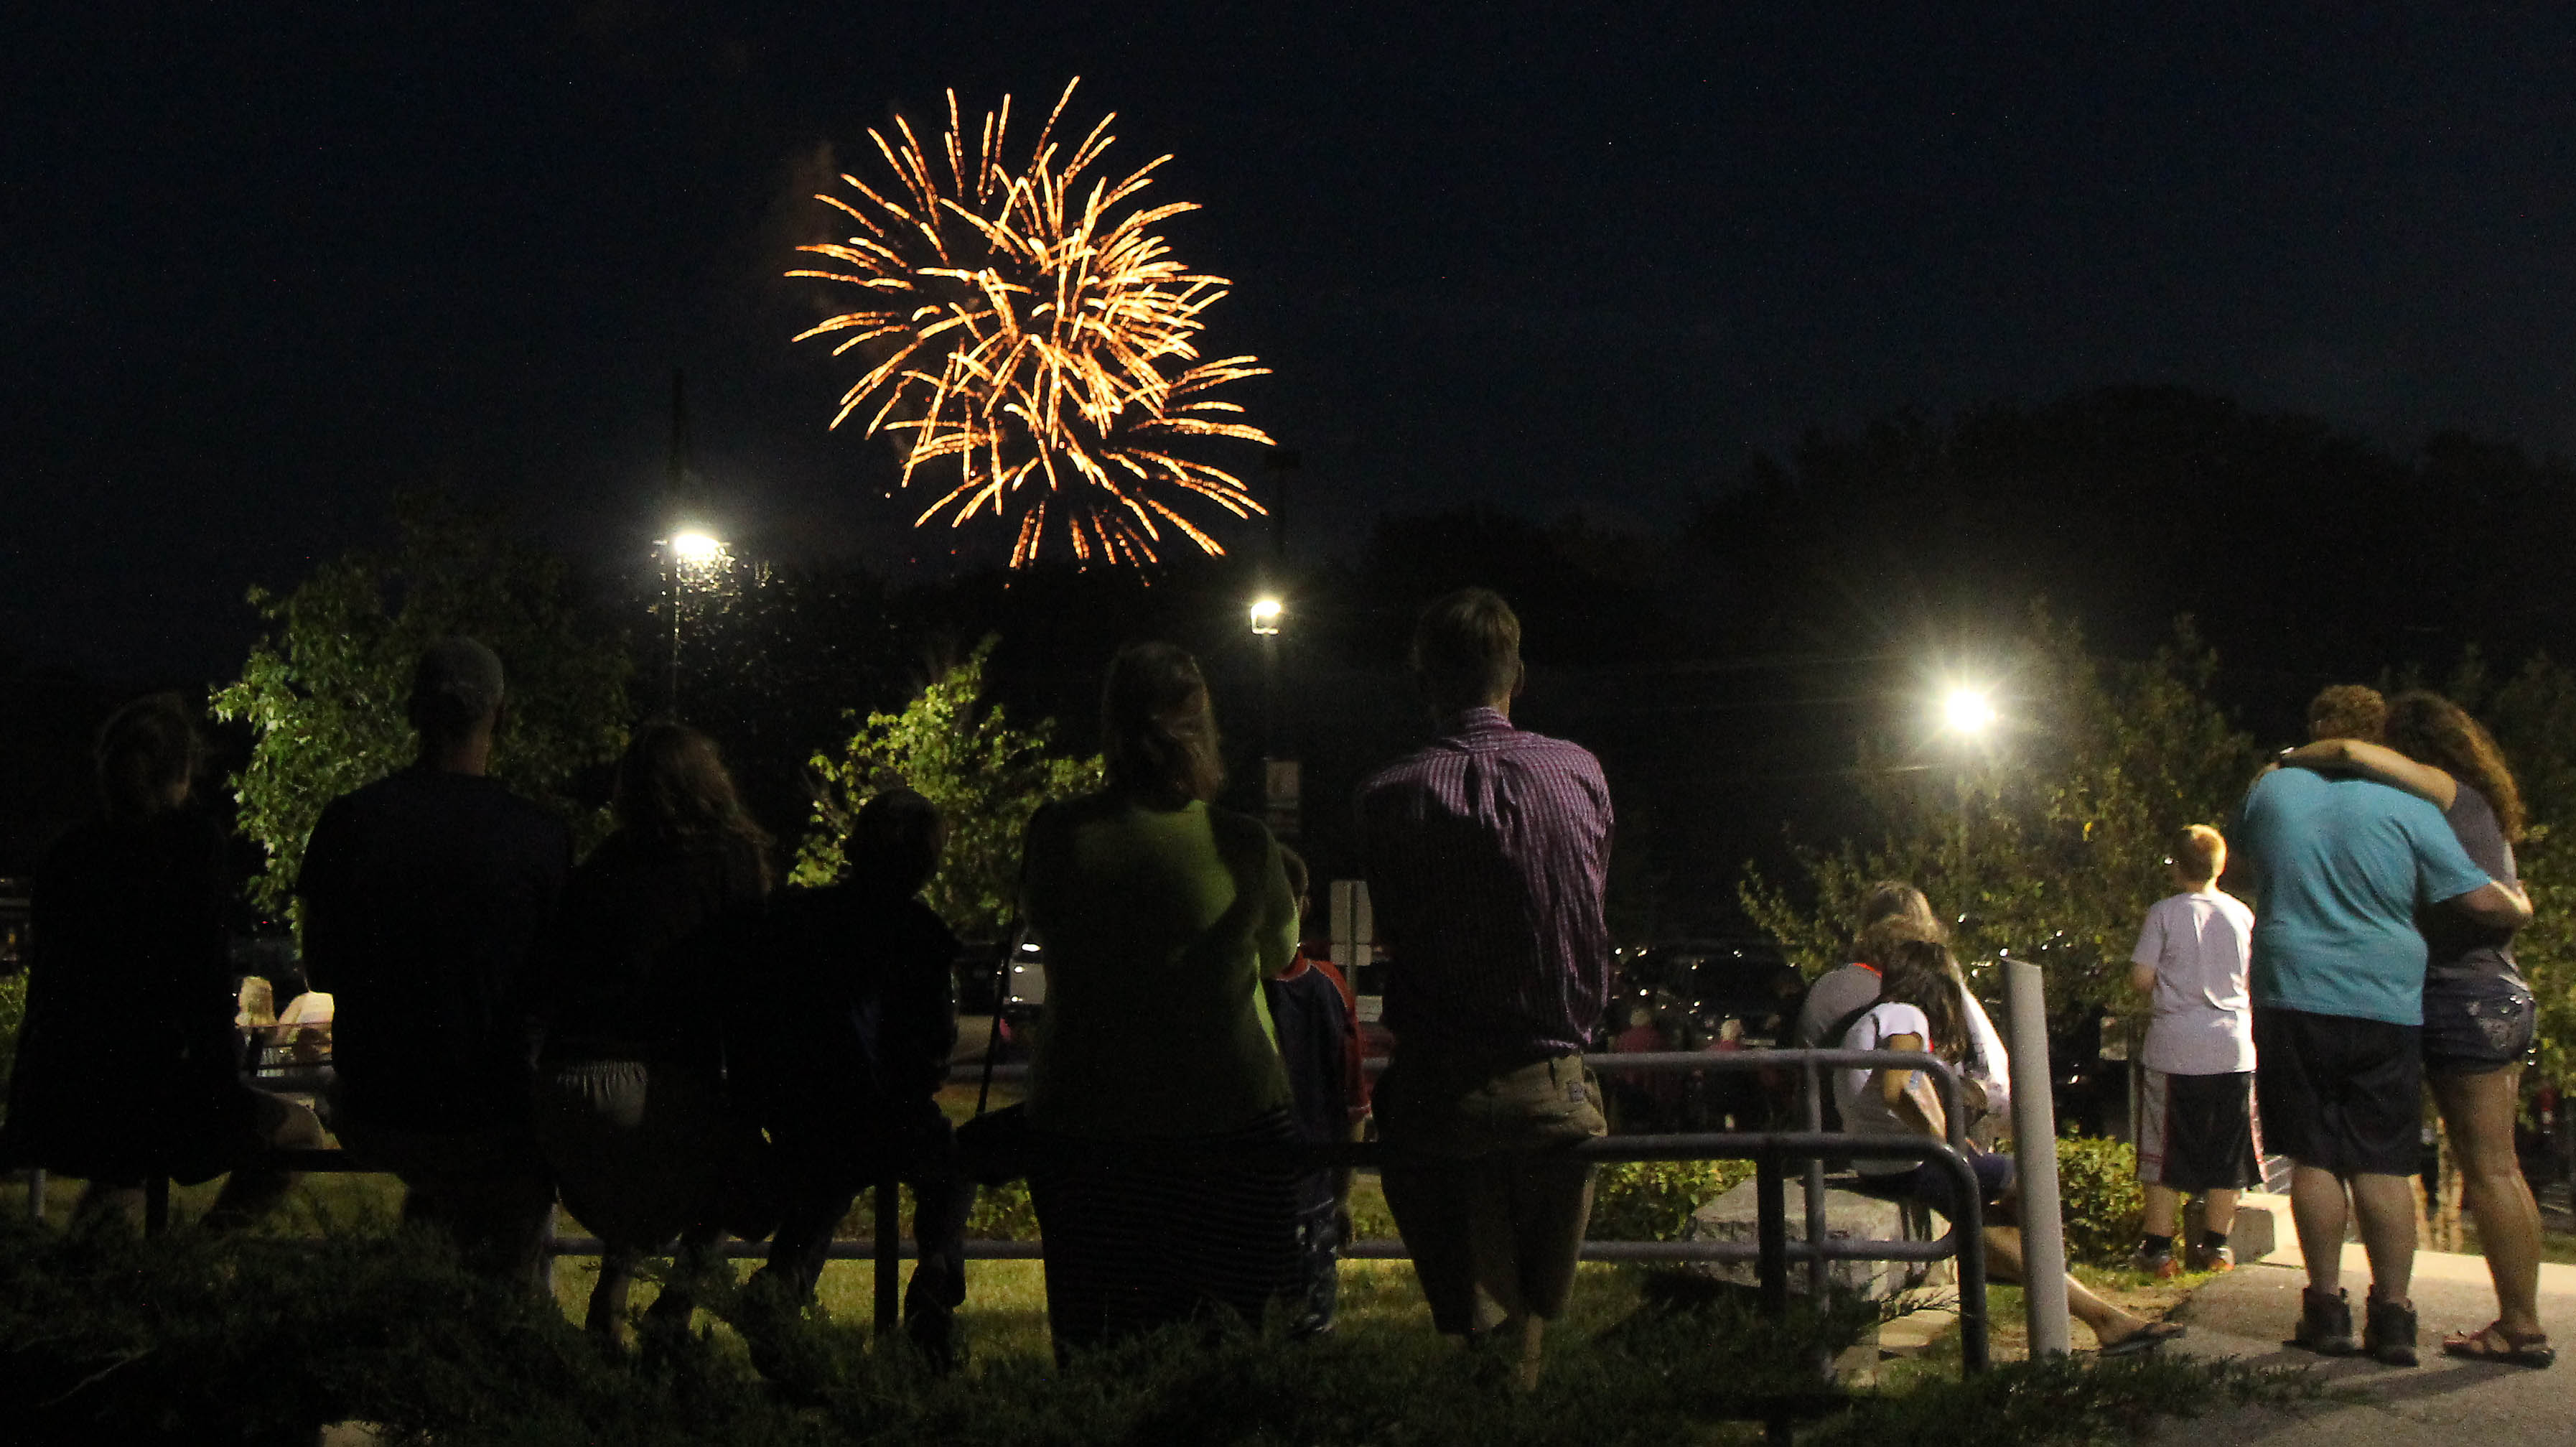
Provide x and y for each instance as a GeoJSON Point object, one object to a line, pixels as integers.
{"type": "Point", "coordinates": [2196, 1130]}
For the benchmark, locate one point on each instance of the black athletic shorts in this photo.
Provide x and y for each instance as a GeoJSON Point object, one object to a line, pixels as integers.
{"type": "Point", "coordinates": [2340, 1093]}
{"type": "Point", "coordinates": [2197, 1132]}
{"type": "Point", "coordinates": [2476, 1024]}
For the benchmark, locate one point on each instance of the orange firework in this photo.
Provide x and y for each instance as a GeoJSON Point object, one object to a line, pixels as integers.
{"type": "Point", "coordinates": [1019, 325]}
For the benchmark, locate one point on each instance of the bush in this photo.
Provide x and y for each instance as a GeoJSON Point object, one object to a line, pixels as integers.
{"type": "Point", "coordinates": [1653, 1200]}
{"type": "Point", "coordinates": [13, 1015]}
{"type": "Point", "coordinates": [2097, 1186]}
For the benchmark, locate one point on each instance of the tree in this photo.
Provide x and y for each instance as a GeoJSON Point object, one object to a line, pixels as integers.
{"type": "Point", "coordinates": [986, 776]}
{"type": "Point", "coordinates": [324, 691]}
{"type": "Point", "coordinates": [2048, 845]}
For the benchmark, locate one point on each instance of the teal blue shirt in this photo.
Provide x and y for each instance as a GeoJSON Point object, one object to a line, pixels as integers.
{"type": "Point", "coordinates": [2341, 864]}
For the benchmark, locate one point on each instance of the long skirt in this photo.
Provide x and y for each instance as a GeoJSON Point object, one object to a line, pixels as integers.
{"type": "Point", "coordinates": [1132, 1245]}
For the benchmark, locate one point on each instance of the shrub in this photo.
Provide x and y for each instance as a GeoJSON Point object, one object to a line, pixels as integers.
{"type": "Point", "coordinates": [1653, 1200]}
{"type": "Point", "coordinates": [2097, 1186]}
{"type": "Point", "coordinates": [13, 1014]}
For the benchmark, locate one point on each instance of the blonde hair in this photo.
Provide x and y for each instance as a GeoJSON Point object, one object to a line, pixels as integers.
{"type": "Point", "coordinates": [2200, 852]}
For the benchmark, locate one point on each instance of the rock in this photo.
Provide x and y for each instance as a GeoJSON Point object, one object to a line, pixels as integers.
{"type": "Point", "coordinates": [1849, 1216]}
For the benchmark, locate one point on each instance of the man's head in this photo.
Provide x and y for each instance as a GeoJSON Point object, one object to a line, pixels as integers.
{"type": "Point", "coordinates": [456, 692]}
{"type": "Point", "coordinates": [2348, 711]}
{"type": "Point", "coordinates": [147, 756]}
{"type": "Point", "coordinates": [2199, 856]}
{"type": "Point", "coordinates": [896, 841]}
{"type": "Point", "coordinates": [1467, 651]}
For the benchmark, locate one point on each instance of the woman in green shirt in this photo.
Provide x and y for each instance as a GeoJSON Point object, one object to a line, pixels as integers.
{"type": "Point", "coordinates": [1160, 917]}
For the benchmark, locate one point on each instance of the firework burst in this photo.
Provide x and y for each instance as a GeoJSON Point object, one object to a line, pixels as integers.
{"type": "Point", "coordinates": [1027, 322]}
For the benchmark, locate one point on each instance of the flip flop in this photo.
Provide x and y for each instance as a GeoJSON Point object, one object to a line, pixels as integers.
{"type": "Point", "coordinates": [2145, 1339]}
{"type": "Point", "coordinates": [2482, 1345]}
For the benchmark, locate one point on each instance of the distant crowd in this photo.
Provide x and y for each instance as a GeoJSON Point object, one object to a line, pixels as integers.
{"type": "Point", "coordinates": [662, 1041]}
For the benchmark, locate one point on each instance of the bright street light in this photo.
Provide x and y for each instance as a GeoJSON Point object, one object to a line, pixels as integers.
{"type": "Point", "coordinates": [1265, 616]}
{"type": "Point", "coordinates": [697, 547]}
{"type": "Point", "coordinates": [1968, 711]}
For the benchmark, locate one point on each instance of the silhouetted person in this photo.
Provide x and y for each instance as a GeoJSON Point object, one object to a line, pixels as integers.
{"type": "Point", "coordinates": [128, 1067]}
{"type": "Point", "coordinates": [844, 1046]}
{"type": "Point", "coordinates": [1488, 852]}
{"type": "Point", "coordinates": [1317, 1020]}
{"type": "Point", "coordinates": [424, 895]}
{"type": "Point", "coordinates": [1161, 915]}
{"type": "Point", "coordinates": [656, 934]}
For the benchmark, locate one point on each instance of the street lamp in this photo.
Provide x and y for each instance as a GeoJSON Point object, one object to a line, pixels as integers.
{"type": "Point", "coordinates": [1278, 773]}
{"type": "Point", "coordinates": [693, 555]}
{"type": "Point", "coordinates": [1968, 711]}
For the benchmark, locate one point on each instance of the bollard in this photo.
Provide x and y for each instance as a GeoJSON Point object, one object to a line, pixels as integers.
{"type": "Point", "coordinates": [2043, 1231]}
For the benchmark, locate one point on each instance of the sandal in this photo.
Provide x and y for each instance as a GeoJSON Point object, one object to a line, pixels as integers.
{"type": "Point", "coordinates": [2494, 1344]}
{"type": "Point", "coordinates": [2145, 1339]}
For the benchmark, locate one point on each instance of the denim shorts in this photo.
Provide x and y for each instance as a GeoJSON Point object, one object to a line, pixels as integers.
{"type": "Point", "coordinates": [2476, 1025]}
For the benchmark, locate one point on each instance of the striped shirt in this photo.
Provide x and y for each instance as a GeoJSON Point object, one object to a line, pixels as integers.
{"type": "Point", "coordinates": [1487, 853]}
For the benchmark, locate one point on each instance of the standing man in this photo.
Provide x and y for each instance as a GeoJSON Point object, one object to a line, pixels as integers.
{"type": "Point", "coordinates": [424, 894]}
{"type": "Point", "coordinates": [2340, 865]}
{"type": "Point", "coordinates": [1487, 853]}
{"type": "Point", "coordinates": [2196, 1133]}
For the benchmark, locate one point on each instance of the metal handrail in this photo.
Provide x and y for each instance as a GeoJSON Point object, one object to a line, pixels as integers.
{"type": "Point", "coordinates": [1770, 1151]}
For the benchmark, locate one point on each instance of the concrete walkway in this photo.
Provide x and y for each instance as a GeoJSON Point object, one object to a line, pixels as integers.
{"type": "Point", "coordinates": [2446, 1402]}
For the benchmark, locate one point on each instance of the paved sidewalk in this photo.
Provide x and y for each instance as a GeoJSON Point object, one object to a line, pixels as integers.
{"type": "Point", "coordinates": [2443, 1403]}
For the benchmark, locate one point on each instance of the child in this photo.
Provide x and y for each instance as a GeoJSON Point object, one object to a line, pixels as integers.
{"type": "Point", "coordinates": [845, 1055]}
{"type": "Point", "coordinates": [1319, 1037]}
{"type": "Point", "coordinates": [2196, 1132]}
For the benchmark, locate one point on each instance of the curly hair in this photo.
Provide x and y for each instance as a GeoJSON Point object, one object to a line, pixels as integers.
{"type": "Point", "coordinates": [672, 787]}
{"type": "Point", "coordinates": [1919, 972]}
{"type": "Point", "coordinates": [2431, 729]}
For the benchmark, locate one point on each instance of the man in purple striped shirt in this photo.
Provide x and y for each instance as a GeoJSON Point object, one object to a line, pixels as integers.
{"type": "Point", "coordinates": [1487, 853]}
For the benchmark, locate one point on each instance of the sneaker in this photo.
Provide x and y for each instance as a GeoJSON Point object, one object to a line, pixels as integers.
{"type": "Point", "coordinates": [2325, 1324]}
{"type": "Point", "coordinates": [2388, 1332]}
{"type": "Point", "coordinates": [2213, 1258]}
{"type": "Point", "coordinates": [2159, 1264]}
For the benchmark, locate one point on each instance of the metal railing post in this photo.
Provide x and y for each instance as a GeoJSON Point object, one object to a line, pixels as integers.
{"type": "Point", "coordinates": [1771, 1227]}
{"type": "Point", "coordinates": [889, 1254]}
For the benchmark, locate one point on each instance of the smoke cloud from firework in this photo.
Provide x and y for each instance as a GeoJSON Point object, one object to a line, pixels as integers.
{"type": "Point", "coordinates": [1032, 343]}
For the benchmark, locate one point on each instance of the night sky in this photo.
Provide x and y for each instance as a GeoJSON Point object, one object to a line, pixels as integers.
{"type": "Point", "coordinates": [267, 264]}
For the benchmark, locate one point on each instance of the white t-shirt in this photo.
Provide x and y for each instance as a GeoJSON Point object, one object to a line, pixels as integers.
{"type": "Point", "coordinates": [2201, 948]}
{"type": "Point", "coordinates": [1864, 1111]}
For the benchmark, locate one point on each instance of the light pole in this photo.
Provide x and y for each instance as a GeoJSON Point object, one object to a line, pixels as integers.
{"type": "Point", "coordinates": [690, 555]}
{"type": "Point", "coordinates": [1278, 774]}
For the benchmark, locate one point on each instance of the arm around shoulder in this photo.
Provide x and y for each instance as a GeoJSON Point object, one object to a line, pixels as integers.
{"type": "Point", "coordinates": [2501, 906]}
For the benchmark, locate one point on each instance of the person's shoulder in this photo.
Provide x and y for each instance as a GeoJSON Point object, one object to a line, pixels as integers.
{"type": "Point", "coordinates": [2471, 808]}
{"type": "Point", "coordinates": [1403, 773]}
{"type": "Point", "coordinates": [1235, 829]}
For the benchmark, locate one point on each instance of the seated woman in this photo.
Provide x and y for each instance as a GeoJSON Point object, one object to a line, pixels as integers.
{"type": "Point", "coordinates": [1919, 1010]}
{"type": "Point", "coordinates": [128, 1066]}
{"type": "Point", "coordinates": [1161, 916]}
{"type": "Point", "coordinates": [653, 936]}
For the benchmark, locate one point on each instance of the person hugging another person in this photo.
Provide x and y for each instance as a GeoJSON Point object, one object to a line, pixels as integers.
{"type": "Point", "coordinates": [2196, 1129]}
{"type": "Point", "coordinates": [844, 1048]}
{"type": "Point", "coordinates": [2478, 1012]}
{"type": "Point", "coordinates": [2341, 868]}
{"type": "Point", "coordinates": [1155, 1083]}
{"type": "Point", "coordinates": [1919, 1009]}
{"type": "Point", "coordinates": [654, 935]}
{"type": "Point", "coordinates": [1891, 913]}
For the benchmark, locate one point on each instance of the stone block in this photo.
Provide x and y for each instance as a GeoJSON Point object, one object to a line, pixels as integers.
{"type": "Point", "coordinates": [1849, 1216]}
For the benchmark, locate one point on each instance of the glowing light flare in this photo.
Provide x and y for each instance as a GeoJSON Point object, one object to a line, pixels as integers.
{"type": "Point", "coordinates": [1019, 324]}
{"type": "Point", "coordinates": [697, 547]}
{"type": "Point", "coordinates": [1265, 616]}
{"type": "Point", "coordinates": [1968, 711]}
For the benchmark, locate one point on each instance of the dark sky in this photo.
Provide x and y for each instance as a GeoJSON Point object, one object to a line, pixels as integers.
{"type": "Point", "coordinates": [266, 264]}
